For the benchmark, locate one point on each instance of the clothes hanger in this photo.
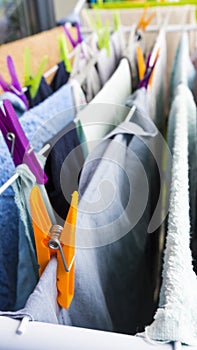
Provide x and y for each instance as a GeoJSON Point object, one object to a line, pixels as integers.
{"type": "Point", "coordinates": [56, 240]}
{"type": "Point", "coordinates": [17, 142]}
{"type": "Point", "coordinates": [30, 80]}
{"type": "Point", "coordinates": [14, 86]}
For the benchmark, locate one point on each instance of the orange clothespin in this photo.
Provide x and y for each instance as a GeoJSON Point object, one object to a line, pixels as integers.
{"type": "Point", "coordinates": [143, 22]}
{"type": "Point", "coordinates": [140, 62]}
{"type": "Point", "coordinates": [55, 240]}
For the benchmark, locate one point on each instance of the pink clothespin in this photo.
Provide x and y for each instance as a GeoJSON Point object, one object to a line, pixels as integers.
{"type": "Point", "coordinates": [73, 42]}
{"type": "Point", "coordinates": [17, 142]}
{"type": "Point", "coordinates": [14, 86]}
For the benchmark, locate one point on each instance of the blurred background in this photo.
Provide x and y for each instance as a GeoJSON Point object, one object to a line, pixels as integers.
{"type": "Point", "coordinates": [20, 18]}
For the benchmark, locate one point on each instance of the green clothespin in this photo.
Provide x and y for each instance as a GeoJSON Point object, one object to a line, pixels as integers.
{"type": "Point", "coordinates": [33, 81]}
{"type": "Point", "coordinates": [64, 52]}
{"type": "Point", "coordinates": [116, 19]}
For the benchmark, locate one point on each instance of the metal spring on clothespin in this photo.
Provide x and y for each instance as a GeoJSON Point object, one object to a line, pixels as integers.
{"type": "Point", "coordinates": [54, 244]}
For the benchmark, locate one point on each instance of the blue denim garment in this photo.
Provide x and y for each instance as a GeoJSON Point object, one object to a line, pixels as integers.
{"type": "Point", "coordinates": [40, 124]}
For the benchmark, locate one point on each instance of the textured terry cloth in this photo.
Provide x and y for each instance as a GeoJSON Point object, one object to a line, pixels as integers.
{"type": "Point", "coordinates": [63, 166]}
{"type": "Point", "coordinates": [106, 64]}
{"type": "Point", "coordinates": [16, 102]}
{"type": "Point", "coordinates": [40, 124]}
{"type": "Point", "coordinates": [113, 289]}
{"type": "Point", "coordinates": [27, 274]}
{"type": "Point", "coordinates": [107, 109]}
{"type": "Point", "coordinates": [183, 70]}
{"type": "Point", "coordinates": [176, 318]}
{"type": "Point", "coordinates": [113, 219]}
{"type": "Point", "coordinates": [184, 93]}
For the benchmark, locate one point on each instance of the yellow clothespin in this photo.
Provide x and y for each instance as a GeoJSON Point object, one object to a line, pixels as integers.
{"type": "Point", "coordinates": [33, 81]}
{"type": "Point", "coordinates": [55, 240]}
{"type": "Point", "coordinates": [143, 22]}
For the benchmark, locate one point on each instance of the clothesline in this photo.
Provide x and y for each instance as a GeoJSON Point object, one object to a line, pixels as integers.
{"type": "Point", "coordinates": [153, 28]}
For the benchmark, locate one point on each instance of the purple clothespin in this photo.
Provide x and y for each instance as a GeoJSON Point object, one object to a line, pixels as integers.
{"type": "Point", "coordinates": [14, 86]}
{"type": "Point", "coordinates": [17, 142]}
{"type": "Point", "coordinates": [149, 69]}
{"type": "Point", "coordinates": [73, 42]}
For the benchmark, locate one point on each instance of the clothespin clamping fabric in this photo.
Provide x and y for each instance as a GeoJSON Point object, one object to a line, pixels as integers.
{"type": "Point", "coordinates": [33, 81]}
{"type": "Point", "coordinates": [143, 22]}
{"type": "Point", "coordinates": [14, 86]}
{"type": "Point", "coordinates": [55, 240]}
{"type": "Point", "coordinates": [79, 39]}
{"type": "Point", "coordinates": [102, 31]}
{"type": "Point", "coordinates": [17, 142]}
{"type": "Point", "coordinates": [150, 65]}
{"type": "Point", "coordinates": [116, 20]}
{"type": "Point", "coordinates": [64, 53]}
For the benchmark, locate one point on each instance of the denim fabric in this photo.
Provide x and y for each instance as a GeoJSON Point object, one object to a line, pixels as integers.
{"type": "Point", "coordinates": [42, 304]}
{"type": "Point", "coordinates": [113, 220]}
{"type": "Point", "coordinates": [27, 271]}
{"type": "Point", "coordinates": [113, 289]}
{"type": "Point", "coordinates": [39, 124]}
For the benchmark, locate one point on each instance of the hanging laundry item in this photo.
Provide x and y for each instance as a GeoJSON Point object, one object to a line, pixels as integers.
{"type": "Point", "coordinates": [183, 70]}
{"type": "Point", "coordinates": [107, 109]}
{"type": "Point", "coordinates": [27, 268]}
{"type": "Point", "coordinates": [16, 102]}
{"type": "Point", "coordinates": [112, 226]}
{"type": "Point", "coordinates": [39, 125]}
{"type": "Point", "coordinates": [175, 319]}
{"type": "Point", "coordinates": [63, 165]}
{"type": "Point", "coordinates": [42, 89]}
